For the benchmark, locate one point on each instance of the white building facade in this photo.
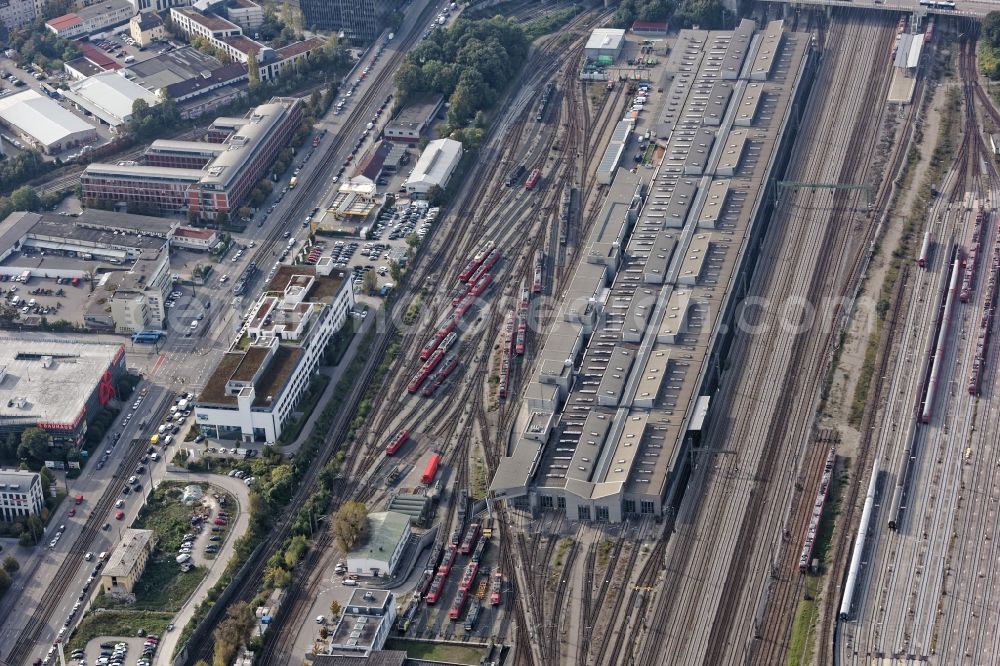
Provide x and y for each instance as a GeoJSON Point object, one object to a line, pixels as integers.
{"type": "Point", "coordinates": [254, 391]}
{"type": "Point", "coordinates": [388, 532]}
{"type": "Point", "coordinates": [435, 166]}
{"type": "Point", "coordinates": [20, 495]}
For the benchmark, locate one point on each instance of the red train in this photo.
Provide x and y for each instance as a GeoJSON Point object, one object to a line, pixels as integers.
{"type": "Point", "coordinates": [434, 593]}
{"type": "Point", "coordinates": [533, 179]}
{"type": "Point", "coordinates": [425, 371]}
{"type": "Point", "coordinates": [817, 513]}
{"type": "Point", "coordinates": [971, 262]}
{"type": "Point", "coordinates": [397, 441]}
{"type": "Point", "coordinates": [495, 585]}
{"type": "Point", "coordinates": [469, 540]}
{"type": "Point", "coordinates": [450, 555]}
{"type": "Point", "coordinates": [469, 576]}
{"type": "Point", "coordinates": [431, 470]}
{"type": "Point", "coordinates": [522, 323]}
{"type": "Point", "coordinates": [536, 285]}
{"type": "Point", "coordinates": [506, 349]}
{"type": "Point", "coordinates": [450, 363]}
{"type": "Point", "coordinates": [442, 333]}
{"type": "Point", "coordinates": [433, 361]}
{"type": "Point", "coordinates": [417, 381]}
{"type": "Point", "coordinates": [477, 259]}
{"type": "Point", "coordinates": [458, 605]}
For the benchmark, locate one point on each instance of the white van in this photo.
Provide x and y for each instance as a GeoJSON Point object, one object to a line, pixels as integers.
{"type": "Point", "coordinates": [129, 59]}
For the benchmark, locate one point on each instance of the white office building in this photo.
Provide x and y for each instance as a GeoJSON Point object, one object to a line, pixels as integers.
{"type": "Point", "coordinates": [20, 495]}
{"type": "Point", "coordinates": [258, 384]}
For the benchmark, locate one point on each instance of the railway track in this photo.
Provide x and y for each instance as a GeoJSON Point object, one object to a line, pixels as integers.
{"type": "Point", "coordinates": [30, 636]}
{"type": "Point", "coordinates": [907, 612]}
{"type": "Point", "coordinates": [764, 474]}
{"type": "Point", "coordinates": [449, 420]}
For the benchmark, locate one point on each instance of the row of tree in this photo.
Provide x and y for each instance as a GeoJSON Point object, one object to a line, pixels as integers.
{"type": "Point", "coordinates": [708, 14]}
{"type": "Point", "coordinates": [471, 63]}
{"type": "Point", "coordinates": [18, 169]}
{"type": "Point", "coordinates": [35, 44]}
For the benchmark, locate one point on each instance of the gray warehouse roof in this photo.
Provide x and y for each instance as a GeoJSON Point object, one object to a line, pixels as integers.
{"type": "Point", "coordinates": [42, 118]}
{"type": "Point", "coordinates": [48, 380]}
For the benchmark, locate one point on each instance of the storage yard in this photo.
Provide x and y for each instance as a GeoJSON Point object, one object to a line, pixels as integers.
{"type": "Point", "coordinates": [582, 343]}
{"type": "Point", "coordinates": [692, 363]}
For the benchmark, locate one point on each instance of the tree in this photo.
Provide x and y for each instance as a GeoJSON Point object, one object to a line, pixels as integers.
{"type": "Point", "coordinates": [395, 271]}
{"type": "Point", "coordinates": [435, 195]}
{"type": "Point", "coordinates": [25, 198]}
{"type": "Point", "coordinates": [369, 282]}
{"type": "Point", "coordinates": [232, 632]}
{"type": "Point", "coordinates": [991, 29]}
{"type": "Point", "coordinates": [34, 442]}
{"type": "Point", "coordinates": [334, 609]}
{"type": "Point", "coordinates": [412, 240]}
{"type": "Point", "coordinates": [253, 71]}
{"type": "Point", "coordinates": [4, 582]}
{"type": "Point", "coordinates": [10, 565]}
{"type": "Point", "coordinates": [350, 525]}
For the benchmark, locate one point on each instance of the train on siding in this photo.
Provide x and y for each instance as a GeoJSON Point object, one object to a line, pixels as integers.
{"type": "Point", "coordinates": [396, 442]}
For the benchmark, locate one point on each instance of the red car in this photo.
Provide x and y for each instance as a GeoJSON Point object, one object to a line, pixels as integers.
{"type": "Point", "coordinates": [119, 515]}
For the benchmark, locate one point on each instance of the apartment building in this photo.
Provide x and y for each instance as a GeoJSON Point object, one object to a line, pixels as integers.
{"type": "Point", "coordinates": [17, 13]}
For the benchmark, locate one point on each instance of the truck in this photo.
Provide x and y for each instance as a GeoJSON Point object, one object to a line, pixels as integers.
{"type": "Point", "coordinates": [25, 276]}
{"type": "Point", "coordinates": [293, 182]}
{"type": "Point", "coordinates": [183, 404]}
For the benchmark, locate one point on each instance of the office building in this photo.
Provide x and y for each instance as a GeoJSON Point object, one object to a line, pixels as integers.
{"type": "Point", "coordinates": [20, 495]}
{"type": "Point", "coordinates": [91, 19]}
{"type": "Point", "coordinates": [257, 385]}
{"type": "Point", "coordinates": [364, 625]}
{"type": "Point", "coordinates": [17, 13]}
{"type": "Point", "coordinates": [146, 27]}
{"type": "Point", "coordinates": [359, 21]}
{"type": "Point", "coordinates": [248, 147]}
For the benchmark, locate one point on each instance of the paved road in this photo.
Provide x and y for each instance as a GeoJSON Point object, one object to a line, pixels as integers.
{"type": "Point", "coordinates": [31, 582]}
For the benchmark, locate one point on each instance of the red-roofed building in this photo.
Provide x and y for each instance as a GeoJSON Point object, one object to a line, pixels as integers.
{"type": "Point", "coordinates": [65, 26]}
{"type": "Point", "coordinates": [98, 57]}
{"type": "Point", "coordinates": [650, 28]}
{"type": "Point", "coordinates": [193, 238]}
{"type": "Point", "coordinates": [92, 18]}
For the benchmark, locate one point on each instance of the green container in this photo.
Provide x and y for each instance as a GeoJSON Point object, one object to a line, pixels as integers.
{"type": "Point", "coordinates": [605, 60]}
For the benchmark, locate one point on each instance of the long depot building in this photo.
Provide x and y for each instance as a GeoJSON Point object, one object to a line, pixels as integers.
{"type": "Point", "coordinates": [623, 385]}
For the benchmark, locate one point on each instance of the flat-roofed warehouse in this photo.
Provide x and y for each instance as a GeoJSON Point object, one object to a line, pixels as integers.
{"type": "Point", "coordinates": [56, 386]}
{"type": "Point", "coordinates": [44, 124]}
{"type": "Point", "coordinates": [626, 376]}
{"type": "Point", "coordinates": [109, 96]}
{"type": "Point", "coordinates": [605, 42]}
